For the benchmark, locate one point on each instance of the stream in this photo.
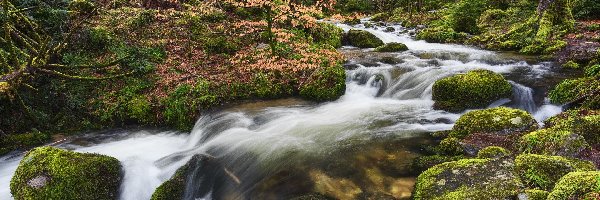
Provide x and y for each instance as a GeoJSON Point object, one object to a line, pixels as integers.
{"type": "Point", "coordinates": [360, 144]}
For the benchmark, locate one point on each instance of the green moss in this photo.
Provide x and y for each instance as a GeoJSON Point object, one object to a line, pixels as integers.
{"type": "Point", "coordinates": [379, 17]}
{"type": "Point", "coordinates": [493, 120]}
{"type": "Point", "coordinates": [51, 173]}
{"type": "Point", "coordinates": [582, 122]}
{"type": "Point", "coordinates": [475, 89]}
{"type": "Point", "coordinates": [493, 152]}
{"type": "Point", "coordinates": [264, 86]}
{"type": "Point", "coordinates": [536, 194]}
{"type": "Point", "coordinates": [553, 142]}
{"type": "Point", "coordinates": [463, 15]}
{"type": "Point", "coordinates": [542, 171]}
{"type": "Point", "coordinates": [575, 185]}
{"type": "Point", "coordinates": [425, 162]}
{"type": "Point", "coordinates": [362, 39]}
{"type": "Point", "coordinates": [467, 179]}
{"type": "Point", "coordinates": [183, 105]}
{"type": "Point", "coordinates": [392, 47]}
{"type": "Point", "coordinates": [22, 141]}
{"type": "Point", "coordinates": [450, 146]}
{"type": "Point", "coordinates": [311, 197]}
{"type": "Point", "coordinates": [140, 108]}
{"type": "Point", "coordinates": [173, 188]}
{"type": "Point", "coordinates": [325, 84]}
{"type": "Point", "coordinates": [572, 89]}
{"type": "Point", "coordinates": [592, 70]}
{"type": "Point", "coordinates": [441, 34]}
{"type": "Point", "coordinates": [326, 33]}
{"type": "Point", "coordinates": [571, 65]}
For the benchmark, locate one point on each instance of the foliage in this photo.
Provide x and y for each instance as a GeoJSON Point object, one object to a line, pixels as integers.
{"type": "Point", "coordinates": [544, 171]}
{"type": "Point", "coordinates": [493, 120]}
{"type": "Point", "coordinates": [586, 9]}
{"type": "Point", "coordinates": [475, 89]}
{"type": "Point", "coordinates": [362, 39]}
{"type": "Point", "coordinates": [22, 141]}
{"type": "Point", "coordinates": [392, 47]}
{"type": "Point", "coordinates": [326, 33]}
{"type": "Point", "coordinates": [183, 104]}
{"type": "Point", "coordinates": [51, 173]}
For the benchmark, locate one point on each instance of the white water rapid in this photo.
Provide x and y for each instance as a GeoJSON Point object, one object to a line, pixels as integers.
{"type": "Point", "coordinates": [381, 101]}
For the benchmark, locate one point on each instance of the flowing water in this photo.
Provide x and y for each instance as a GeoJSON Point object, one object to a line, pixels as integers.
{"type": "Point", "coordinates": [361, 144]}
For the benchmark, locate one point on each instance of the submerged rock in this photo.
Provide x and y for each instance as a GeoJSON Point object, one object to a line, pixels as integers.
{"type": "Point", "coordinates": [362, 39]}
{"type": "Point", "coordinates": [392, 47]}
{"type": "Point", "coordinates": [475, 89]}
{"type": "Point", "coordinates": [499, 120]}
{"type": "Point", "coordinates": [52, 173]}
{"type": "Point", "coordinates": [575, 185]}
{"type": "Point", "coordinates": [544, 171]}
{"type": "Point", "coordinates": [469, 179]}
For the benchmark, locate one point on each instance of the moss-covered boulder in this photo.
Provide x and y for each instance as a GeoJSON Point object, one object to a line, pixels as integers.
{"type": "Point", "coordinates": [501, 119]}
{"type": "Point", "coordinates": [325, 84]}
{"type": "Point", "coordinates": [450, 146]}
{"type": "Point", "coordinates": [544, 171]}
{"type": "Point", "coordinates": [493, 152]}
{"type": "Point", "coordinates": [52, 173]}
{"type": "Point", "coordinates": [553, 142]}
{"type": "Point", "coordinates": [571, 90]}
{"type": "Point", "coordinates": [326, 33]}
{"type": "Point", "coordinates": [475, 89]}
{"type": "Point", "coordinates": [174, 188]}
{"type": "Point", "coordinates": [576, 185]}
{"type": "Point", "coordinates": [582, 122]}
{"type": "Point", "coordinates": [362, 39]}
{"type": "Point", "coordinates": [392, 47]}
{"type": "Point", "coordinates": [469, 179]}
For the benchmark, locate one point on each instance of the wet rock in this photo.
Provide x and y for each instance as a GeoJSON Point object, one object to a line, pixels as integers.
{"type": "Point", "coordinates": [389, 29]}
{"type": "Point", "coordinates": [339, 188]}
{"type": "Point", "coordinates": [312, 197]}
{"type": "Point", "coordinates": [499, 120]}
{"type": "Point", "coordinates": [52, 173]}
{"type": "Point", "coordinates": [475, 89]}
{"type": "Point", "coordinates": [175, 187]}
{"type": "Point", "coordinates": [544, 171]}
{"type": "Point", "coordinates": [391, 60]}
{"type": "Point", "coordinates": [362, 39]}
{"type": "Point", "coordinates": [554, 142]}
{"type": "Point", "coordinates": [476, 142]}
{"type": "Point", "coordinates": [469, 179]}
{"type": "Point", "coordinates": [392, 47]}
{"type": "Point", "coordinates": [575, 185]}
{"type": "Point", "coordinates": [425, 162]}
{"type": "Point", "coordinates": [351, 66]}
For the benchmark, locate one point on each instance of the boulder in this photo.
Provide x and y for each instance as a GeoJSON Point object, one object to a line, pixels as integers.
{"type": "Point", "coordinates": [542, 171]}
{"type": "Point", "coordinates": [582, 122]}
{"type": "Point", "coordinates": [175, 187]}
{"type": "Point", "coordinates": [493, 152]}
{"type": "Point", "coordinates": [362, 39]}
{"type": "Point", "coordinates": [392, 47]}
{"type": "Point", "coordinates": [575, 185]}
{"type": "Point", "coordinates": [499, 120]}
{"type": "Point", "coordinates": [52, 173]}
{"type": "Point", "coordinates": [553, 142]}
{"type": "Point", "coordinates": [475, 89]}
{"type": "Point", "coordinates": [469, 179]}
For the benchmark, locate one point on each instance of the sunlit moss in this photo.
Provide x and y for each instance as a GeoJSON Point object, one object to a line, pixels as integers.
{"type": "Point", "coordinates": [493, 120]}
{"type": "Point", "coordinates": [544, 171]}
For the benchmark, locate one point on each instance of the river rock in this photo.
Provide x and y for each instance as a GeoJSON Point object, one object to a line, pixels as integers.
{"type": "Point", "coordinates": [544, 171]}
{"type": "Point", "coordinates": [554, 142]}
{"type": "Point", "coordinates": [52, 173]}
{"type": "Point", "coordinates": [576, 185]}
{"type": "Point", "coordinates": [501, 120]}
{"type": "Point", "coordinates": [475, 89]}
{"type": "Point", "coordinates": [581, 121]}
{"type": "Point", "coordinates": [175, 187]}
{"type": "Point", "coordinates": [392, 47]}
{"type": "Point", "coordinates": [469, 179]}
{"type": "Point", "coordinates": [362, 39]}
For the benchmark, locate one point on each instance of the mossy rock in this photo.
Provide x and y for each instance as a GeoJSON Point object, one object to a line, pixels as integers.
{"type": "Point", "coordinates": [174, 188]}
{"type": "Point", "coordinates": [534, 194]}
{"type": "Point", "coordinates": [475, 89]}
{"type": "Point", "coordinates": [425, 162]}
{"type": "Point", "coordinates": [572, 89]}
{"type": "Point", "coordinates": [501, 119]}
{"type": "Point", "coordinates": [52, 173]}
{"type": "Point", "coordinates": [441, 34]}
{"type": "Point", "coordinates": [450, 146]}
{"type": "Point", "coordinates": [468, 179]}
{"type": "Point", "coordinates": [325, 84]}
{"type": "Point", "coordinates": [544, 171]}
{"type": "Point", "coordinates": [392, 47]}
{"type": "Point", "coordinates": [311, 197]}
{"type": "Point", "coordinates": [493, 152]}
{"type": "Point", "coordinates": [362, 39]}
{"type": "Point", "coordinates": [553, 142]}
{"type": "Point", "coordinates": [379, 17]}
{"type": "Point", "coordinates": [576, 185]}
{"type": "Point", "coordinates": [582, 122]}
{"type": "Point", "coordinates": [326, 33]}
